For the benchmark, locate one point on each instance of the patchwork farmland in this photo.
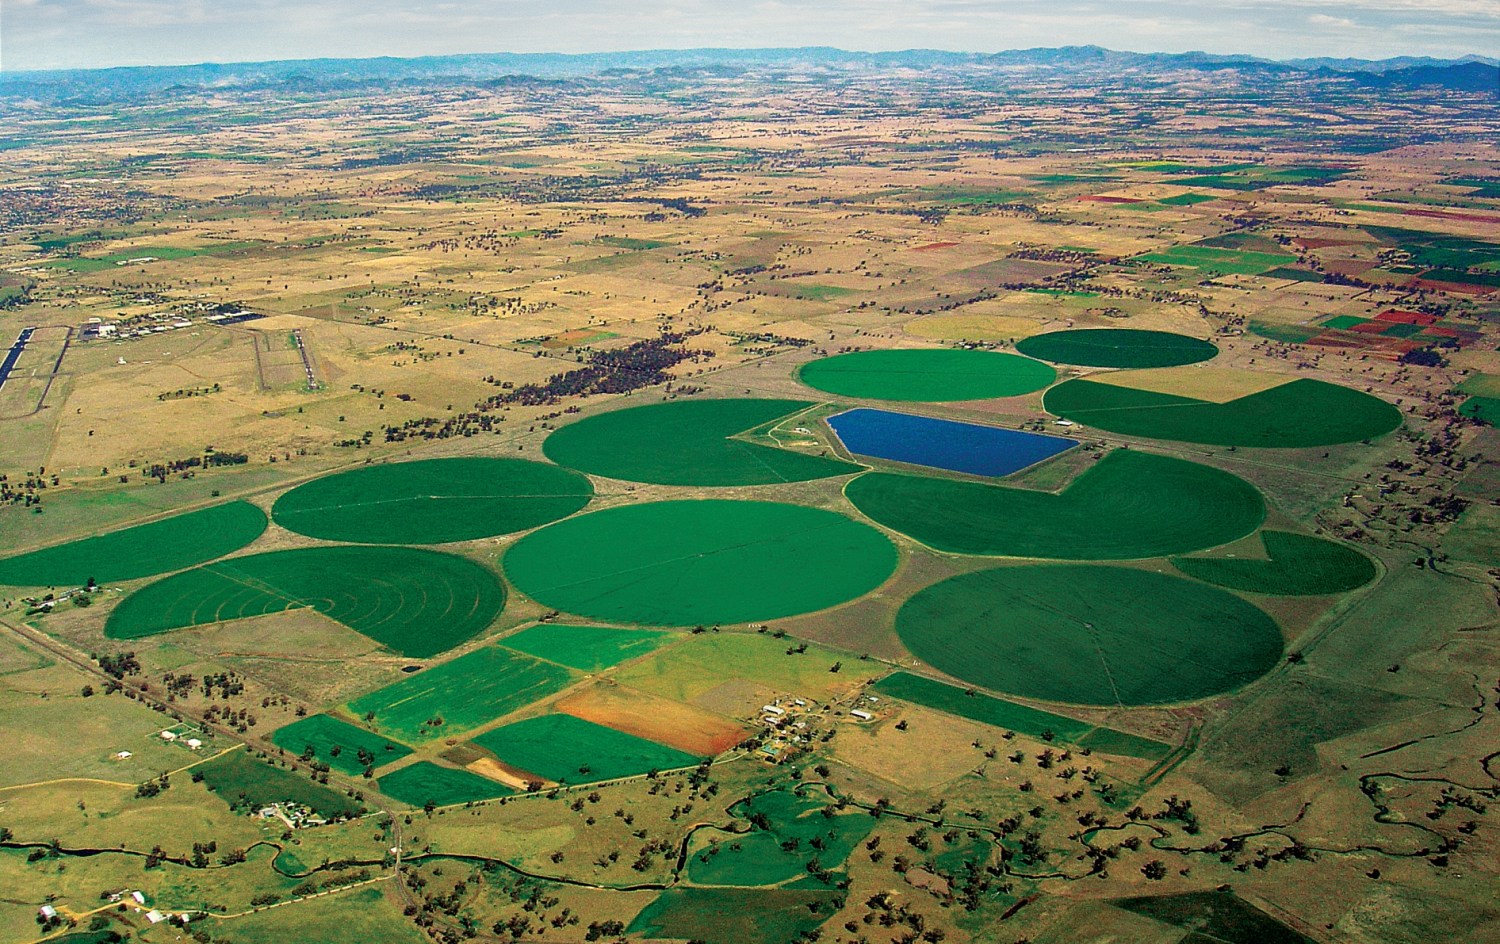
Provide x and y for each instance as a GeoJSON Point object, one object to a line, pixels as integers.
{"type": "Point", "coordinates": [751, 506]}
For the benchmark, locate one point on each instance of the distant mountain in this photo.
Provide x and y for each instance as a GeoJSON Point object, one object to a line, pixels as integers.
{"type": "Point", "coordinates": [1470, 74]}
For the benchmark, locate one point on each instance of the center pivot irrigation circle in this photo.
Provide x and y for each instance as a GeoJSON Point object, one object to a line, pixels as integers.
{"type": "Point", "coordinates": [433, 501]}
{"type": "Point", "coordinates": [1089, 634]}
{"type": "Point", "coordinates": [683, 563]}
{"type": "Point", "coordinates": [926, 374]}
{"type": "Point", "coordinates": [1117, 347]}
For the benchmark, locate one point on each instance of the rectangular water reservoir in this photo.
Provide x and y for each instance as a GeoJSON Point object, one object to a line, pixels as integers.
{"type": "Point", "coordinates": [972, 448]}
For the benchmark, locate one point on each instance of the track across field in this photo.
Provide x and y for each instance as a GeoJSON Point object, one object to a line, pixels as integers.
{"type": "Point", "coordinates": [432, 501]}
{"type": "Point", "coordinates": [1301, 413]}
{"type": "Point", "coordinates": [146, 549]}
{"type": "Point", "coordinates": [461, 694]}
{"type": "Point", "coordinates": [688, 442]}
{"type": "Point", "coordinates": [1127, 505]}
{"type": "Point", "coordinates": [425, 782]}
{"type": "Point", "coordinates": [683, 563]}
{"type": "Point", "coordinates": [566, 749]}
{"type": "Point", "coordinates": [928, 375]}
{"type": "Point", "coordinates": [414, 602]}
{"type": "Point", "coordinates": [1089, 634]}
{"type": "Point", "coordinates": [1295, 565]}
{"type": "Point", "coordinates": [1117, 347]}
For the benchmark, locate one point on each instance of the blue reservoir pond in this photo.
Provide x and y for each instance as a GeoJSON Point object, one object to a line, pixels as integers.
{"type": "Point", "coordinates": [943, 444]}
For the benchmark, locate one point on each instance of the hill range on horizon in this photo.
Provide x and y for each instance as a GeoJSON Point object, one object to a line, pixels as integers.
{"type": "Point", "coordinates": [1471, 72]}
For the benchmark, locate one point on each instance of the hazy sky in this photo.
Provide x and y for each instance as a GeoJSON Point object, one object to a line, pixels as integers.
{"type": "Point", "coordinates": [41, 34]}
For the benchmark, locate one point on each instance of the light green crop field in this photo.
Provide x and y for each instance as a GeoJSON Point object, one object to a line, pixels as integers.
{"type": "Point", "coordinates": [147, 549]}
{"type": "Point", "coordinates": [425, 782]}
{"type": "Point", "coordinates": [1127, 505]}
{"type": "Point", "coordinates": [587, 648]}
{"type": "Point", "coordinates": [688, 442]}
{"type": "Point", "coordinates": [1301, 413]}
{"type": "Point", "coordinates": [1117, 347]}
{"type": "Point", "coordinates": [999, 713]}
{"type": "Point", "coordinates": [1089, 634]}
{"type": "Point", "coordinates": [708, 660]}
{"type": "Point", "coordinates": [1295, 565]}
{"type": "Point", "coordinates": [568, 749]}
{"type": "Point", "coordinates": [1210, 259]}
{"type": "Point", "coordinates": [926, 375]}
{"type": "Point", "coordinates": [432, 501]}
{"type": "Point", "coordinates": [683, 563]}
{"type": "Point", "coordinates": [338, 743]}
{"type": "Point", "coordinates": [414, 602]}
{"type": "Point", "coordinates": [461, 694]}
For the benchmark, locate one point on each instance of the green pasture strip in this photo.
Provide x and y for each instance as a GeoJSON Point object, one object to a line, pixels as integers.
{"type": "Point", "coordinates": [1008, 715]}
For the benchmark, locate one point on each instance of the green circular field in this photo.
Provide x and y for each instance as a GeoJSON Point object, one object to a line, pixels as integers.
{"type": "Point", "coordinates": [1294, 565]}
{"type": "Point", "coordinates": [1117, 347]}
{"type": "Point", "coordinates": [414, 602]}
{"type": "Point", "coordinates": [689, 442]}
{"type": "Point", "coordinates": [432, 501]}
{"type": "Point", "coordinates": [1300, 413]}
{"type": "Point", "coordinates": [930, 375]}
{"type": "Point", "coordinates": [683, 563]}
{"type": "Point", "coordinates": [1089, 634]}
{"type": "Point", "coordinates": [1127, 505]}
{"type": "Point", "coordinates": [141, 551]}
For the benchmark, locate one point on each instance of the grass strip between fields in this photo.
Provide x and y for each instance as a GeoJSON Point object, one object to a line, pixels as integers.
{"type": "Point", "coordinates": [1031, 722]}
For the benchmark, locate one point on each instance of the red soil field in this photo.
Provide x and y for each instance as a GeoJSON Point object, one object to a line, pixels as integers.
{"type": "Point", "coordinates": [674, 724]}
{"type": "Point", "coordinates": [1406, 317]}
{"type": "Point", "coordinates": [1445, 215]}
